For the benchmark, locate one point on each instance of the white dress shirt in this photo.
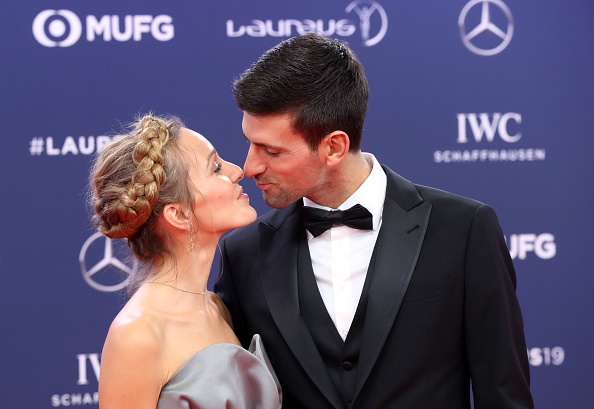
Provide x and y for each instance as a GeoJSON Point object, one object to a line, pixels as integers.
{"type": "Point", "coordinates": [340, 256]}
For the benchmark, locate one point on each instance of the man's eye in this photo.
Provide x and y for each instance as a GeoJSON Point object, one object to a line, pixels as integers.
{"type": "Point", "coordinates": [271, 153]}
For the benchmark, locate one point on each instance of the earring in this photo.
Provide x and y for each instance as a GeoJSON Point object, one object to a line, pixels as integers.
{"type": "Point", "coordinates": [191, 241]}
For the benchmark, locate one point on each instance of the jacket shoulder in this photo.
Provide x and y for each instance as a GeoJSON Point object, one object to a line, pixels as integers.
{"type": "Point", "coordinates": [409, 195]}
{"type": "Point", "coordinates": [273, 219]}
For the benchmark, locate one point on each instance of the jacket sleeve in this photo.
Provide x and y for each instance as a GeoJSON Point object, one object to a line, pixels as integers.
{"type": "Point", "coordinates": [494, 328]}
{"type": "Point", "coordinates": [226, 289]}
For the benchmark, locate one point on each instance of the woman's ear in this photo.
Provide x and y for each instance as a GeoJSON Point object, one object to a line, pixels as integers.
{"type": "Point", "coordinates": [176, 216]}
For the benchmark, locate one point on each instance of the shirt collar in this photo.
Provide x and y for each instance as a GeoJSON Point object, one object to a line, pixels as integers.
{"type": "Point", "coordinates": [370, 194]}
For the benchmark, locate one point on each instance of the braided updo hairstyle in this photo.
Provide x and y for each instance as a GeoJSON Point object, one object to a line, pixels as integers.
{"type": "Point", "coordinates": [133, 178]}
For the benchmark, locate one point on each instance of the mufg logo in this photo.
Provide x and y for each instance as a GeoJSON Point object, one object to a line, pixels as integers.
{"type": "Point", "coordinates": [542, 245]}
{"type": "Point", "coordinates": [373, 25]}
{"type": "Point", "coordinates": [63, 28]}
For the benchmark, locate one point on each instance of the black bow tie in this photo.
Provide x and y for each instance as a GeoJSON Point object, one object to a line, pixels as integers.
{"type": "Point", "coordinates": [317, 221]}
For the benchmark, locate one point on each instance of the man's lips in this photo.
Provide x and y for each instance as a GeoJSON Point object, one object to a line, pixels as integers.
{"type": "Point", "coordinates": [262, 185]}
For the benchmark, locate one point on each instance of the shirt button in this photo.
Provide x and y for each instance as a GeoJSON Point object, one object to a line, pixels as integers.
{"type": "Point", "coordinates": [347, 365]}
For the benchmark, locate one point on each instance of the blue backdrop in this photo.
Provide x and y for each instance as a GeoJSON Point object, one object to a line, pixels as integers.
{"type": "Point", "coordinates": [490, 99]}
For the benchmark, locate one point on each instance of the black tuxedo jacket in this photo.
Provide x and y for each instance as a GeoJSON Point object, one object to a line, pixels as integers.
{"type": "Point", "coordinates": [442, 311]}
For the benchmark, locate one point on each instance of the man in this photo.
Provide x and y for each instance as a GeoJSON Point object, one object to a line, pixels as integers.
{"type": "Point", "coordinates": [406, 309]}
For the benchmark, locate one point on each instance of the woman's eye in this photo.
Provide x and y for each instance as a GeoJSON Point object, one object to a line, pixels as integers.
{"type": "Point", "coordinates": [218, 167]}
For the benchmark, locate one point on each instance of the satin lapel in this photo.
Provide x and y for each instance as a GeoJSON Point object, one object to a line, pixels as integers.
{"type": "Point", "coordinates": [391, 275]}
{"type": "Point", "coordinates": [279, 281]}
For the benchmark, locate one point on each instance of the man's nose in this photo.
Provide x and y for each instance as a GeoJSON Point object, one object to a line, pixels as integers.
{"type": "Point", "coordinates": [252, 166]}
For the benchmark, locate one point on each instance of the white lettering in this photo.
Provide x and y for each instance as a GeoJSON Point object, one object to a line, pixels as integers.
{"type": "Point", "coordinates": [542, 245]}
{"type": "Point", "coordinates": [82, 367]}
{"type": "Point", "coordinates": [116, 25]}
{"type": "Point", "coordinates": [502, 128]}
{"type": "Point", "coordinates": [327, 32]}
{"type": "Point", "coordinates": [279, 32]}
{"type": "Point", "coordinates": [110, 27]}
{"type": "Point", "coordinates": [488, 155]}
{"type": "Point", "coordinates": [74, 399]}
{"type": "Point", "coordinates": [101, 142]}
{"type": "Point", "coordinates": [485, 127]}
{"type": "Point", "coordinates": [345, 28]}
{"type": "Point", "coordinates": [105, 27]}
{"type": "Point", "coordinates": [462, 128]}
{"type": "Point", "coordinates": [49, 147]}
{"type": "Point", "coordinates": [69, 146]}
{"type": "Point", "coordinates": [142, 24]}
{"type": "Point", "coordinates": [301, 27]}
{"type": "Point", "coordinates": [86, 146]}
{"type": "Point", "coordinates": [258, 28]}
{"type": "Point", "coordinates": [231, 32]}
{"type": "Point", "coordinates": [481, 126]}
{"type": "Point", "coordinates": [97, 27]}
{"type": "Point", "coordinates": [88, 399]}
{"type": "Point", "coordinates": [290, 27]}
{"type": "Point", "coordinates": [523, 244]}
{"type": "Point", "coordinates": [546, 356]}
{"type": "Point", "coordinates": [162, 28]}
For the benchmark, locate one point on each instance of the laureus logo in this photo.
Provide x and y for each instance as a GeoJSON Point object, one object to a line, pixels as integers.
{"type": "Point", "coordinates": [366, 10]}
{"type": "Point", "coordinates": [371, 16]}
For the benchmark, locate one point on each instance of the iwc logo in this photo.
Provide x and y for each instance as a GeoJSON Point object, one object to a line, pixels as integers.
{"type": "Point", "coordinates": [486, 26]}
{"type": "Point", "coordinates": [101, 263]}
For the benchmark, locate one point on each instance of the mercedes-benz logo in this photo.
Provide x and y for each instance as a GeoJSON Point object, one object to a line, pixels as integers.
{"type": "Point", "coordinates": [366, 9]}
{"type": "Point", "coordinates": [109, 273]}
{"type": "Point", "coordinates": [486, 38]}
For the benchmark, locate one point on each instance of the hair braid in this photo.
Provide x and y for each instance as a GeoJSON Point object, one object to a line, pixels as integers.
{"type": "Point", "coordinates": [124, 214]}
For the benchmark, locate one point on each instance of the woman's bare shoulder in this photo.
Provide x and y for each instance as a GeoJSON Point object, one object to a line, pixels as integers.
{"type": "Point", "coordinates": [222, 307]}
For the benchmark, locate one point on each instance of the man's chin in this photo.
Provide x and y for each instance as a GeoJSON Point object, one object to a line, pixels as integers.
{"type": "Point", "coordinates": [275, 202]}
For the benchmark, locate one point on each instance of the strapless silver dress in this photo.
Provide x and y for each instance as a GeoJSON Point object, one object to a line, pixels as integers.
{"type": "Point", "coordinates": [224, 376]}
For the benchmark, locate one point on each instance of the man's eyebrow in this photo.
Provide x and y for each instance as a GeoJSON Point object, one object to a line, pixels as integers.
{"type": "Point", "coordinates": [263, 145]}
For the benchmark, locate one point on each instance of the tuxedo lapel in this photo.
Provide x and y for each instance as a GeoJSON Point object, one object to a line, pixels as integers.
{"type": "Point", "coordinates": [279, 245]}
{"type": "Point", "coordinates": [404, 223]}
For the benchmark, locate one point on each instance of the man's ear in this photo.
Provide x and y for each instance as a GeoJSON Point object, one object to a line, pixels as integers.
{"type": "Point", "coordinates": [176, 216]}
{"type": "Point", "coordinates": [334, 147]}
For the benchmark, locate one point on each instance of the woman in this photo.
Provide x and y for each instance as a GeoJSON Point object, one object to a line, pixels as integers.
{"type": "Point", "coordinates": [165, 189]}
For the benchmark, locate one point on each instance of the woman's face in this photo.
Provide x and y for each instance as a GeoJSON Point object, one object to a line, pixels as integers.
{"type": "Point", "coordinates": [220, 203]}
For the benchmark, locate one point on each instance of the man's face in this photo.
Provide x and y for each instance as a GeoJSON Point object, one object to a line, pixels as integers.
{"type": "Point", "coordinates": [280, 161]}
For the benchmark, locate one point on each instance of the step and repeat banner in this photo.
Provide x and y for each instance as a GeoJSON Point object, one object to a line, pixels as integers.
{"type": "Point", "coordinates": [491, 99]}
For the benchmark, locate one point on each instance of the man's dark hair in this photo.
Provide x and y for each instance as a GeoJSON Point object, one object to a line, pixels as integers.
{"type": "Point", "coordinates": [319, 80]}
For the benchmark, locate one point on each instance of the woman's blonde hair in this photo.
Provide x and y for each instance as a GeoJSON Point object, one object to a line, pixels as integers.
{"type": "Point", "coordinates": [131, 181]}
